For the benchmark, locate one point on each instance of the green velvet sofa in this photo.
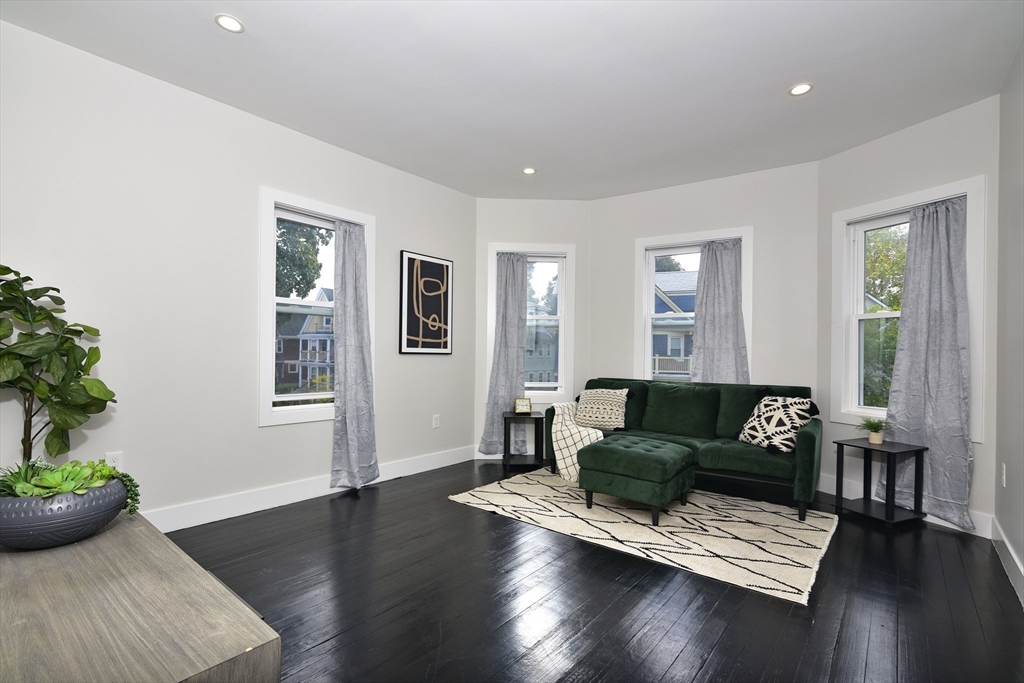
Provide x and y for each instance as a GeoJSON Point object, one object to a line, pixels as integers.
{"type": "Point", "coordinates": [706, 418]}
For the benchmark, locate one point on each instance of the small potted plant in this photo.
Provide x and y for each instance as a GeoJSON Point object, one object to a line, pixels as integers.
{"type": "Point", "coordinates": [44, 505]}
{"type": "Point", "coordinates": [875, 427]}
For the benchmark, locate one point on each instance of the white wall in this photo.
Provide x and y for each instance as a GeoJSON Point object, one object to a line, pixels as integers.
{"type": "Point", "coordinates": [139, 200]}
{"type": "Point", "coordinates": [961, 144]}
{"type": "Point", "coordinates": [532, 222]}
{"type": "Point", "coordinates": [779, 204]}
{"type": "Point", "coordinates": [1009, 501]}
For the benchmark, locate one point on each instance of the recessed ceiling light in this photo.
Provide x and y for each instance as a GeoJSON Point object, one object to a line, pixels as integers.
{"type": "Point", "coordinates": [529, 171]}
{"type": "Point", "coordinates": [800, 89]}
{"type": "Point", "coordinates": [229, 23]}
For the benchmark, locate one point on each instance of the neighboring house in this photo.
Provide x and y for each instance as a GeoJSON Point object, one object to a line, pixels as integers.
{"type": "Point", "coordinates": [672, 333]}
{"type": "Point", "coordinates": [541, 347]}
{"type": "Point", "coordinates": [304, 361]}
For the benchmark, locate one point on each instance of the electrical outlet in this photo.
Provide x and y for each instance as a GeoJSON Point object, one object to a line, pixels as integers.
{"type": "Point", "coordinates": [437, 422]}
{"type": "Point", "coordinates": [115, 459]}
{"type": "Point", "coordinates": [1004, 475]}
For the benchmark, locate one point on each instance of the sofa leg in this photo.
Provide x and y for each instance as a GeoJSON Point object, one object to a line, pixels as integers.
{"type": "Point", "coordinates": [590, 499]}
{"type": "Point", "coordinates": [682, 498]}
{"type": "Point", "coordinates": [802, 508]}
{"type": "Point", "coordinates": [654, 515]}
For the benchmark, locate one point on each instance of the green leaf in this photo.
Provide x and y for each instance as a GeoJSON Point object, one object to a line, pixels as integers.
{"type": "Point", "coordinates": [55, 365]}
{"type": "Point", "coordinates": [74, 354]}
{"type": "Point", "coordinates": [55, 299]}
{"type": "Point", "coordinates": [95, 406]}
{"type": "Point", "coordinates": [42, 389]}
{"type": "Point", "coordinates": [6, 328]}
{"type": "Point", "coordinates": [34, 347]}
{"type": "Point", "coordinates": [91, 359]}
{"type": "Point", "coordinates": [76, 395]}
{"type": "Point", "coordinates": [91, 331]}
{"type": "Point", "coordinates": [4, 270]}
{"type": "Point", "coordinates": [97, 388]}
{"type": "Point", "coordinates": [38, 292]}
{"type": "Point", "coordinates": [65, 416]}
{"type": "Point", "coordinates": [10, 367]}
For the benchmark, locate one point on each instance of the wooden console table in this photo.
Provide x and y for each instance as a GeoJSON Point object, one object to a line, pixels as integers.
{"type": "Point", "coordinates": [887, 512]}
{"type": "Point", "coordinates": [126, 605]}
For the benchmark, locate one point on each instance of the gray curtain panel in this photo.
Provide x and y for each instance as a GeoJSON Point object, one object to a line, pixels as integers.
{"type": "Point", "coordinates": [509, 351]}
{"type": "Point", "coordinates": [719, 343]}
{"type": "Point", "coordinates": [930, 392]}
{"type": "Point", "coordinates": [354, 462]}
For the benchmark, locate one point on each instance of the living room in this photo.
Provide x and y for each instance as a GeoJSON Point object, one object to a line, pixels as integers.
{"type": "Point", "coordinates": [131, 178]}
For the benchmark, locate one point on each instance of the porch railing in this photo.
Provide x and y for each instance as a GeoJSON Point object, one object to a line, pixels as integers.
{"type": "Point", "coordinates": [671, 365]}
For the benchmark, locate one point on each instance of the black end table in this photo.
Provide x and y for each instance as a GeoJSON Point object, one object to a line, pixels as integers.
{"type": "Point", "coordinates": [538, 441]}
{"type": "Point", "coordinates": [887, 512]}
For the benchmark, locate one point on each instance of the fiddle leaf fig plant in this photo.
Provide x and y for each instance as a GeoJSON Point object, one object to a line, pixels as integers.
{"type": "Point", "coordinates": [42, 357]}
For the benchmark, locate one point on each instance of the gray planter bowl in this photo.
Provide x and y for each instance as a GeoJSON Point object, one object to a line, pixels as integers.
{"type": "Point", "coordinates": [36, 523]}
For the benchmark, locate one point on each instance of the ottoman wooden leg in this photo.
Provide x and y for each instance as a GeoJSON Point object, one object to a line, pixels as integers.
{"type": "Point", "coordinates": [802, 510]}
{"type": "Point", "coordinates": [682, 498]}
{"type": "Point", "coordinates": [590, 499]}
{"type": "Point", "coordinates": [654, 515]}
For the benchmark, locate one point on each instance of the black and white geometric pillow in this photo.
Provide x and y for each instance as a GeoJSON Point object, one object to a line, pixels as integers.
{"type": "Point", "coordinates": [602, 408]}
{"type": "Point", "coordinates": [775, 421]}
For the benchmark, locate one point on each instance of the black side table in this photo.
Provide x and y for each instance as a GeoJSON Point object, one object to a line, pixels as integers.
{"type": "Point", "coordinates": [887, 512]}
{"type": "Point", "coordinates": [538, 441]}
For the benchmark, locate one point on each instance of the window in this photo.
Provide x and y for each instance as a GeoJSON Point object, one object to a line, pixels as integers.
{"type": "Point", "coordinates": [297, 305]}
{"type": "Point", "coordinates": [880, 248]}
{"type": "Point", "coordinates": [548, 358]}
{"type": "Point", "coordinates": [543, 322]}
{"type": "Point", "coordinates": [667, 270]}
{"type": "Point", "coordinates": [869, 245]}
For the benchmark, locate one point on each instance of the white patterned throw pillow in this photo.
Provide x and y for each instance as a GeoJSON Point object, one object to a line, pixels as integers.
{"type": "Point", "coordinates": [602, 408]}
{"type": "Point", "coordinates": [775, 422]}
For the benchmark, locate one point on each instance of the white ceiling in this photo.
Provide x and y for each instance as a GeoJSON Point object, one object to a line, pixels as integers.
{"type": "Point", "coordinates": [602, 98]}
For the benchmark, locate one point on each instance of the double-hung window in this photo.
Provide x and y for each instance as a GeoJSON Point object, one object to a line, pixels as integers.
{"type": "Point", "coordinates": [667, 268]}
{"type": "Point", "coordinates": [671, 276]}
{"type": "Point", "coordinates": [548, 359]}
{"type": "Point", "coordinates": [880, 254]}
{"type": "Point", "coordinates": [543, 323]}
{"type": "Point", "coordinates": [869, 250]}
{"type": "Point", "coordinates": [297, 269]}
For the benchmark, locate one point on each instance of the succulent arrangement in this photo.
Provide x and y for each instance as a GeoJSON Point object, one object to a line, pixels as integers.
{"type": "Point", "coordinates": [41, 480]}
{"type": "Point", "coordinates": [872, 424]}
{"type": "Point", "coordinates": [46, 364]}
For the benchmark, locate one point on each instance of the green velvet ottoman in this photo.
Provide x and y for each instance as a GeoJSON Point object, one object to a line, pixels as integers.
{"type": "Point", "coordinates": [638, 469]}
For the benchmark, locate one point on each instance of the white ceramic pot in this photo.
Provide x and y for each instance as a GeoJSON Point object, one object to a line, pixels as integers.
{"type": "Point", "coordinates": [875, 438]}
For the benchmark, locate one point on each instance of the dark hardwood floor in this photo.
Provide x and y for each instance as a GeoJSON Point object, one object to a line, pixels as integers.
{"type": "Point", "coordinates": [397, 583]}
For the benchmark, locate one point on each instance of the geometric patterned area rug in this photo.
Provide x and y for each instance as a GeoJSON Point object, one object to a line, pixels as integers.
{"type": "Point", "coordinates": [760, 546]}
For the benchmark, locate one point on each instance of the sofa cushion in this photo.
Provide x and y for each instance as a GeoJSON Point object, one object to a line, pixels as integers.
{"type": "Point", "coordinates": [691, 442]}
{"type": "Point", "coordinates": [739, 400]}
{"type": "Point", "coordinates": [635, 402]}
{"type": "Point", "coordinates": [682, 409]}
{"type": "Point", "coordinates": [728, 454]}
{"type": "Point", "coordinates": [602, 408]}
{"type": "Point", "coordinates": [634, 457]}
{"type": "Point", "coordinates": [775, 422]}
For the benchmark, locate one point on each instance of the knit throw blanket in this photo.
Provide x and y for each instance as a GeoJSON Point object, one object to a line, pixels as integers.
{"type": "Point", "coordinates": [567, 438]}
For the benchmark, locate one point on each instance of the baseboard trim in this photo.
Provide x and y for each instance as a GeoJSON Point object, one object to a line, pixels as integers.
{"type": "Point", "coordinates": [198, 512]}
{"type": "Point", "coordinates": [1011, 563]}
{"type": "Point", "coordinates": [852, 489]}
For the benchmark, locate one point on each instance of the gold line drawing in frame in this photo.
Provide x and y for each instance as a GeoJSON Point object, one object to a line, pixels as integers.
{"type": "Point", "coordinates": [426, 304]}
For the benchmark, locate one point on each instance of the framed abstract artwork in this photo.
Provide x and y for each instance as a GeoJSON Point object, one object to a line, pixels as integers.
{"type": "Point", "coordinates": [425, 325]}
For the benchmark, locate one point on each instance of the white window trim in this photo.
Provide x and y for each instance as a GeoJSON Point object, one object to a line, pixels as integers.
{"type": "Point", "coordinates": [843, 408]}
{"type": "Point", "coordinates": [567, 294]}
{"type": "Point", "coordinates": [644, 291]}
{"type": "Point", "coordinates": [270, 198]}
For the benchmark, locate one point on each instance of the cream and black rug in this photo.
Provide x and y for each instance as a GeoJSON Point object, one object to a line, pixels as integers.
{"type": "Point", "coordinates": [760, 546]}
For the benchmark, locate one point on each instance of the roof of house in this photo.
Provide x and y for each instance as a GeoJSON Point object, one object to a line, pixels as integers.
{"type": "Point", "coordinates": [676, 281]}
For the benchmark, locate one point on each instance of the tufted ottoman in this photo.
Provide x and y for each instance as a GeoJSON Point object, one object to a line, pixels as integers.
{"type": "Point", "coordinates": [639, 469]}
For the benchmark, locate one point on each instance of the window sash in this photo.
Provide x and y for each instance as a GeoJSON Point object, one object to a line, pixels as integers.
{"type": "Point", "coordinates": [547, 387]}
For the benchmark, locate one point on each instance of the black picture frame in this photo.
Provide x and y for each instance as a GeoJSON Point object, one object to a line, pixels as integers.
{"type": "Point", "coordinates": [425, 309]}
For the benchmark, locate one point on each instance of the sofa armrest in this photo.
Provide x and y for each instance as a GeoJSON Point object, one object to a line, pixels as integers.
{"type": "Point", "coordinates": [549, 449]}
{"type": "Point", "coordinates": [808, 461]}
